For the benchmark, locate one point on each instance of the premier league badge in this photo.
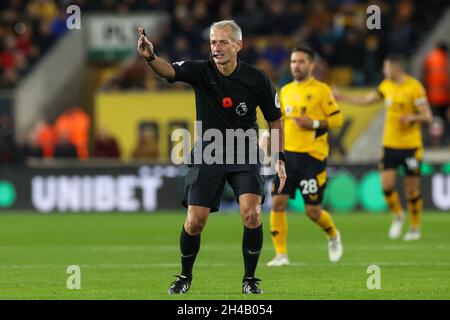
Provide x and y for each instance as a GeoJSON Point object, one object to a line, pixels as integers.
{"type": "Point", "coordinates": [241, 109]}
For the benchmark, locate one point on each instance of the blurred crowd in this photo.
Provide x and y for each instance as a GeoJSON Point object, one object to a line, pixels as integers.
{"type": "Point", "coordinates": [69, 137]}
{"type": "Point", "coordinates": [336, 29]}
{"type": "Point", "coordinates": [27, 30]}
{"type": "Point", "coordinates": [349, 54]}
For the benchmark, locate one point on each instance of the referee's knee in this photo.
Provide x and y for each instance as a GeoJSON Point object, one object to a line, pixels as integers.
{"type": "Point", "coordinates": [194, 225]}
{"type": "Point", "coordinates": [251, 216]}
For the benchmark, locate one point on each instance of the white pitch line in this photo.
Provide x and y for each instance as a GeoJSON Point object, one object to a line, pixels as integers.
{"type": "Point", "coordinates": [222, 265]}
{"type": "Point", "coordinates": [148, 248]}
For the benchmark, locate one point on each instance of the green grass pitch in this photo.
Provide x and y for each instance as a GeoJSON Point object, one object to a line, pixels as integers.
{"type": "Point", "coordinates": [134, 256]}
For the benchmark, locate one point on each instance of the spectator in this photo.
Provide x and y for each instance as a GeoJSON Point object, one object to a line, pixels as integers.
{"type": "Point", "coordinates": [27, 30]}
{"type": "Point", "coordinates": [436, 131]}
{"type": "Point", "coordinates": [64, 148]}
{"type": "Point", "coordinates": [45, 38]}
{"type": "Point", "coordinates": [105, 145]}
{"type": "Point", "coordinates": [46, 10]}
{"type": "Point", "coordinates": [133, 77]}
{"type": "Point", "coordinates": [275, 52]}
{"type": "Point", "coordinates": [59, 25]}
{"type": "Point", "coordinates": [73, 125]}
{"type": "Point", "coordinates": [147, 147]}
{"type": "Point", "coordinates": [251, 18]}
{"type": "Point", "coordinates": [248, 52]}
{"type": "Point", "coordinates": [31, 148]}
{"type": "Point", "coordinates": [45, 137]}
{"type": "Point", "coordinates": [437, 80]}
{"type": "Point", "coordinates": [6, 139]}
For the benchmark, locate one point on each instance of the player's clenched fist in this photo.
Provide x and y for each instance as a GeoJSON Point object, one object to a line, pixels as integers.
{"type": "Point", "coordinates": [145, 47]}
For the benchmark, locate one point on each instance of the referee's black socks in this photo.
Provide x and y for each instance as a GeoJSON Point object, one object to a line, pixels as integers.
{"type": "Point", "coordinates": [189, 247]}
{"type": "Point", "coordinates": [251, 248]}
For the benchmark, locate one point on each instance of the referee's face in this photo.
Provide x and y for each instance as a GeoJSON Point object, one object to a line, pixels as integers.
{"type": "Point", "coordinates": [301, 66]}
{"type": "Point", "coordinates": [223, 48]}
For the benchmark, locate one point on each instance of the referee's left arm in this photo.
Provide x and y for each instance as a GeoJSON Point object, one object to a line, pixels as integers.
{"type": "Point", "coordinates": [269, 104]}
{"type": "Point", "coordinates": [281, 159]}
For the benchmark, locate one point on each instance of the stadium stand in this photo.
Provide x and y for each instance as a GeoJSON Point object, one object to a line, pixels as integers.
{"type": "Point", "coordinates": [350, 54]}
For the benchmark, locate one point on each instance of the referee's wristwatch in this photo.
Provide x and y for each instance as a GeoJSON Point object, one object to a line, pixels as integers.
{"type": "Point", "coordinates": [151, 58]}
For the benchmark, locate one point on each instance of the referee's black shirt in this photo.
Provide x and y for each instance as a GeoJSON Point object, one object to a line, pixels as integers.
{"type": "Point", "coordinates": [228, 102]}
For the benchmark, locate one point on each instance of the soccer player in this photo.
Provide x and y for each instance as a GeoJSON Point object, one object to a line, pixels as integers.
{"type": "Point", "coordinates": [406, 108]}
{"type": "Point", "coordinates": [227, 93]}
{"type": "Point", "coordinates": [309, 111]}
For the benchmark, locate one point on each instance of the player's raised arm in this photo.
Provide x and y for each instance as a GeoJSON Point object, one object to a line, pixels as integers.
{"type": "Point", "coordinates": [366, 99]}
{"type": "Point", "coordinates": [161, 67]}
{"type": "Point", "coordinates": [423, 114]}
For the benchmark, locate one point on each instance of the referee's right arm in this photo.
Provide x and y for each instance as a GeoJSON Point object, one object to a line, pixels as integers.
{"type": "Point", "coordinates": [161, 67]}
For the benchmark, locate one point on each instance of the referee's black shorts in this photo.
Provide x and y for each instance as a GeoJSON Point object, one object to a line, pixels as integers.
{"type": "Point", "coordinates": [306, 173]}
{"type": "Point", "coordinates": [205, 183]}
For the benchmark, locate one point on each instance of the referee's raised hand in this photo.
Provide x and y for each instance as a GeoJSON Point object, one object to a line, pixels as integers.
{"type": "Point", "coordinates": [145, 47]}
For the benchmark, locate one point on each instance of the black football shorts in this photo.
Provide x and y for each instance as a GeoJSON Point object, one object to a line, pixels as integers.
{"type": "Point", "coordinates": [204, 184]}
{"type": "Point", "coordinates": [306, 173]}
{"type": "Point", "coordinates": [409, 159]}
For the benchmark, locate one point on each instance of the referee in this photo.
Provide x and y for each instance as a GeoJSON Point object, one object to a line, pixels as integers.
{"type": "Point", "coordinates": [227, 93]}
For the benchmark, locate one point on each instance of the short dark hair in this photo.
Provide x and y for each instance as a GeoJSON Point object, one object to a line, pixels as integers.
{"type": "Point", "coordinates": [305, 49]}
{"type": "Point", "coordinates": [398, 59]}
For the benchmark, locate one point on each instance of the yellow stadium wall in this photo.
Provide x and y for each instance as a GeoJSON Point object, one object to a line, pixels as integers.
{"type": "Point", "coordinates": [122, 113]}
{"type": "Point", "coordinates": [360, 116]}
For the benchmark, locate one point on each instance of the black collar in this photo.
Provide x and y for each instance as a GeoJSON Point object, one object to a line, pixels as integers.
{"type": "Point", "coordinates": [232, 75]}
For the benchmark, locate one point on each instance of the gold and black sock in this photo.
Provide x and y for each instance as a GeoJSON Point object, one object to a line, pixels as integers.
{"type": "Point", "coordinates": [279, 230]}
{"type": "Point", "coordinates": [415, 206]}
{"type": "Point", "coordinates": [326, 223]}
{"type": "Point", "coordinates": [393, 202]}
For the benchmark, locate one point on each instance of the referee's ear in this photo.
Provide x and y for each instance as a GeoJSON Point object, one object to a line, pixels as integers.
{"type": "Point", "coordinates": [239, 45]}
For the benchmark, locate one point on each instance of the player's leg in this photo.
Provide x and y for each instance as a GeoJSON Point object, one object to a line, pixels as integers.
{"type": "Point", "coordinates": [189, 246]}
{"type": "Point", "coordinates": [279, 229]}
{"type": "Point", "coordinates": [413, 195]}
{"type": "Point", "coordinates": [324, 220]}
{"type": "Point", "coordinates": [388, 181]}
{"type": "Point", "coordinates": [278, 217]}
{"type": "Point", "coordinates": [248, 187]}
{"type": "Point", "coordinates": [203, 188]}
{"type": "Point", "coordinates": [415, 205]}
{"type": "Point", "coordinates": [312, 186]}
{"type": "Point", "coordinates": [190, 237]}
{"type": "Point", "coordinates": [388, 166]}
{"type": "Point", "coordinates": [250, 208]}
